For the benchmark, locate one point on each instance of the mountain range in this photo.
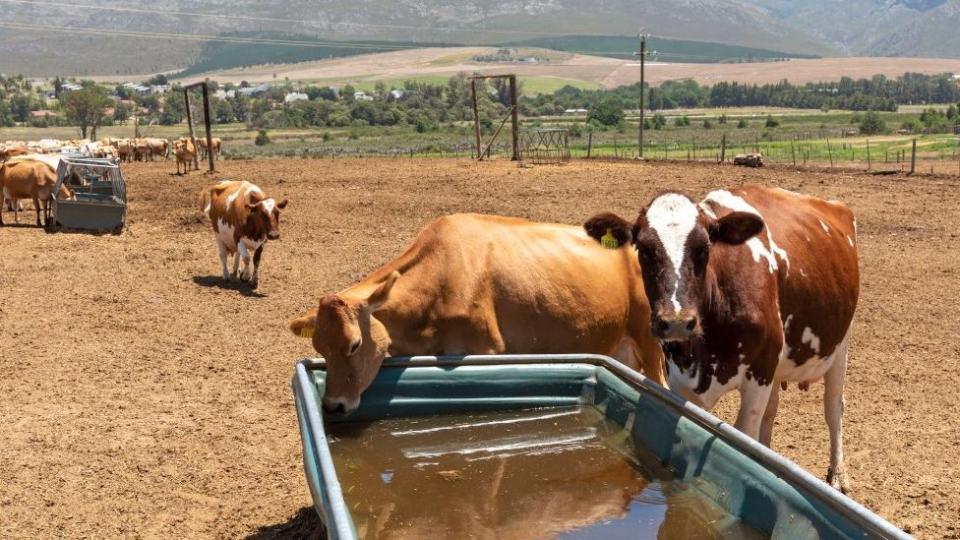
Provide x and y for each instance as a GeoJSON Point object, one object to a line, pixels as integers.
{"type": "Point", "coordinates": [169, 34]}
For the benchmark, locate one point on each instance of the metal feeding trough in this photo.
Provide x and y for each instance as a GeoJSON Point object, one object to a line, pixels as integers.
{"type": "Point", "coordinates": [752, 491]}
{"type": "Point", "coordinates": [100, 195]}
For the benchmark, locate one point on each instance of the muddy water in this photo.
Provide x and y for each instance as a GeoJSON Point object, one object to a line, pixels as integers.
{"type": "Point", "coordinates": [548, 473]}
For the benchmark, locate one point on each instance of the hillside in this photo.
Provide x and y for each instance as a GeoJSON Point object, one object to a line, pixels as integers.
{"type": "Point", "coordinates": [188, 23]}
{"type": "Point", "coordinates": [875, 27]}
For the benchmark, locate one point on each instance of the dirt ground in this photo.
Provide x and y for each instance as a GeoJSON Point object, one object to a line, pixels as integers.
{"type": "Point", "coordinates": [143, 398]}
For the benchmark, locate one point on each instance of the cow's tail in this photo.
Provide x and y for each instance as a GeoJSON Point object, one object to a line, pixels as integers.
{"type": "Point", "coordinates": [205, 199]}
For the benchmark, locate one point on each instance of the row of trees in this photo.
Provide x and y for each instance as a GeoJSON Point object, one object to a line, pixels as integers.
{"type": "Point", "coordinates": [875, 94]}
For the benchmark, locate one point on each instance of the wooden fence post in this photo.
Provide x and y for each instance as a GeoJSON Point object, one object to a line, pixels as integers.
{"type": "Point", "coordinates": [723, 148]}
{"type": "Point", "coordinates": [830, 152]}
{"type": "Point", "coordinates": [913, 157]}
{"type": "Point", "coordinates": [589, 144]}
{"type": "Point", "coordinates": [869, 164]}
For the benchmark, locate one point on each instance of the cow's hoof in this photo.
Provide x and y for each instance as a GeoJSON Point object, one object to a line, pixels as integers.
{"type": "Point", "coordinates": [838, 480]}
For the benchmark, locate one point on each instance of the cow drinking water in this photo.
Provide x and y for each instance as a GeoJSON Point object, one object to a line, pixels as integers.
{"type": "Point", "coordinates": [749, 289]}
{"type": "Point", "coordinates": [474, 284]}
{"type": "Point", "coordinates": [243, 219]}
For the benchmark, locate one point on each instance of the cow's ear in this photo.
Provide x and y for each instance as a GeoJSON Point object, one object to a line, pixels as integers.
{"type": "Point", "coordinates": [736, 228]}
{"type": "Point", "coordinates": [380, 296]}
{"type": "Point", "coordinates": [251, 205]}
{"type": "Point", "coordinates": [306, 325]}
{"type": "Point", "coordinates": [611, 230]}
{"type": "Point", "coordinates": [282, 204]}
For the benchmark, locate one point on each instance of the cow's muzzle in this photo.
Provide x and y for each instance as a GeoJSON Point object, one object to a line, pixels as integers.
{"type": "Point", "coordinates": [273, 235]}
{"type": "Point", "coordinates": [678, 326]}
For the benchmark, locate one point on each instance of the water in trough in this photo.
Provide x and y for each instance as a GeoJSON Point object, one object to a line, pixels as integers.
{"type": "Point", "coordinates": [547, 473]}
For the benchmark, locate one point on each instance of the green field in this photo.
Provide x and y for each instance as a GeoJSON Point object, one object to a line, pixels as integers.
{"type": "Point", "coordinates": [801, 137]}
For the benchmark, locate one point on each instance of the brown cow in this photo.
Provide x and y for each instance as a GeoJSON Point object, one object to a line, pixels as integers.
{"type": "Point", "coordinates": [749, 289]}
{"type": "Point", "coordinates": [14, 151]}
{"type": "Point", "coordinates": [157, 147]}
{"type": "Point", "coordinates": [474, 284]}
{"type": "Point", "coordinates": [29, 179]}
{"type": "Point", "coordinates": [184, 151]}
{"type": "Point", "coordinates": [202, 147]}
{"type": "Point", "coordinates": [243, 219]}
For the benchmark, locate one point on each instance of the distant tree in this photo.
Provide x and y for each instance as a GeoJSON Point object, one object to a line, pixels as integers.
{"type": "Point", "coordinates": [159, 79]}
{"type": "Point", "coordinates": [707, 124]}
{"type": "Point", "coordinates": [771, 122]}
{"type": "Point", "coordinates": [608, 112]}
{"type": "Point", "coordinates": [952, 112]}
{"type": "Point", "coordinates": [262, 138]}
{"type": "Point", "coordinates": [681, 121]}
{"type": "Point", "coordinates": [85, 108]}
{"type": "Point", "coordinates": [872, 124]}
{"type": "Point", "coordinates": [742, 123]}
{"type": "Point", "coordinates": [723, 119]}
{"type": "Point", "coordinates": [120, 113]}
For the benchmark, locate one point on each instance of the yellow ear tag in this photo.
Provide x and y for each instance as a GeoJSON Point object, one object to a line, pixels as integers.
{"type": "Point", "coordinates": [306, 332]}
{"type": "Point", "coordinates": [609, 241]}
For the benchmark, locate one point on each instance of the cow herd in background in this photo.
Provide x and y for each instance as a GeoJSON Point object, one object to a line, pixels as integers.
{"type": "Point", "coordinates": [28, 169]}
{"type": "Point", "coordinates": [120, 149]}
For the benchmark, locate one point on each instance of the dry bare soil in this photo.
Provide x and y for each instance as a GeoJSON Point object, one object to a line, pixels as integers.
{"type": "Point", "coordinates": [140, 397]}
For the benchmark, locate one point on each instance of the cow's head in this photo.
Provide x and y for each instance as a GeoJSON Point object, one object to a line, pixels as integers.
{"type": "Point", "coordinates": [265, 216]}
{"type": "Point", "coordinates": [353, 342]}
{"type": "Point", "coordinates": [674, 238]}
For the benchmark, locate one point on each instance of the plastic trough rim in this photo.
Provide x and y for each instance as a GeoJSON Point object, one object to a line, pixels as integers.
{"type": "Point", "coordinates": [303, 387]}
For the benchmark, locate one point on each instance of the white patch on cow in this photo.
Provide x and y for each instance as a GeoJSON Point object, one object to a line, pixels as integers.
{"type": "Point", "coordinates": [854, 226]}
{"type": "Point", "coordinates": [726, 199]}
{"type": "Point", "coordinates": [739, 344]}
{"type": "Point", "coordinates": [814, 368]}
{"type": "Point", "coordinates": [225, 233]}
{"type": "Point", "coordinates": [269, 205]}
{"type": "Point", "coordinates": [826, 229]}
{"type": "Point", "coordinates": [811, 339]}
{"type": "Point", "coordinates": [685, 384]}
{"type": "Point", "coordinates": [785, 348]}
{"type": "Point", "coordinates": [233, 196]}
{"type": "Point", "coordinates": [672, 217]}
{"type": "Point", "coordinates": [850, 240]}
{"type": "Point", "coordinates": [802, 273]}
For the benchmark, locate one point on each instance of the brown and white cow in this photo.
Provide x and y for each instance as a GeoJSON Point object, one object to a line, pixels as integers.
{"type": "Point", "coordinates": [475, 284]}
{"type": "Point", "coordinates": [243, 219]}
{"type": "Point", "coordinates": [749, 289]}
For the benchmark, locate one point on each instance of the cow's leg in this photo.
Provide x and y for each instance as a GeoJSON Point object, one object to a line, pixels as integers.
{"type": "Point", "coordinates": [769, 415]}
{"type": "Point", "coordinates": [753, 402]}
{"type": "Point", "coordinates": [247, 273]}
{"type": "Point", "coordinates": [3, 201]}
{"type": "Point", "coordinates": [36, 208]}
{"type": "Point", "coordinates": [223, 259]}
{"type": "Point", "coordinates": [256, 265]}
{"type": "Point", "coordinates": [833, 410]}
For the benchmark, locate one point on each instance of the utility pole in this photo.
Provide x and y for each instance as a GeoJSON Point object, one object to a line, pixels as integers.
{"type": "Point", "coordinates": [643, 59]}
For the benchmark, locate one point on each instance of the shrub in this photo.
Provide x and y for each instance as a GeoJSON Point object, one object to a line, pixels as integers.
{"type": "Point", "coordinates": [262, 138]}
{"type": "Point", "coordinates": [771, 122]}
{"type": "Point", "coordinates": [707, 124]}
{"type": "Point", "coordinates": [872, 124]}
{"type": "Point", "coordinates": [723, 118]}
{"type": "Point", "coordinates": [659, 121]}
{"type": "Point", "coordinates": [742, 123]}
{"type": "Point", "coordinates": [608, 112]}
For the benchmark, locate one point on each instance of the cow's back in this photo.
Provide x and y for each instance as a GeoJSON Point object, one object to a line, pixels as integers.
{"type": "Point", "coordinates": [538, 287]}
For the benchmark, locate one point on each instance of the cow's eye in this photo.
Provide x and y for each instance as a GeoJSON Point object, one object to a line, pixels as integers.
{"type": "Point", "coordinates": [353, 347]}
{"type": "Point", "coordinates": [700, 259]}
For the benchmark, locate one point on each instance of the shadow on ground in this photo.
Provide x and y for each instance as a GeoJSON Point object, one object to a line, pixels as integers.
{"type": "Point", "coordinates": [218, 282]}
{"type": "Point", "coordinates": [304, 525]}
